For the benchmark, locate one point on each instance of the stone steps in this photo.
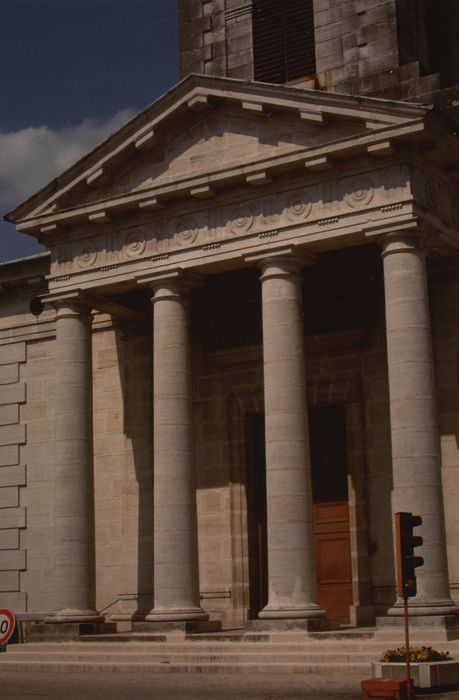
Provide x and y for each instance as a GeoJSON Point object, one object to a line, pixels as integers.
{"type": "Point", "coordinates": [212, 657]}
{"type": "Point", "coordinates": [326, 655]}
{"type": "Point", "coordinates": [187, 657]}
{"type": "Point", "coordinates": [181, 667]}
{"type": "Point", "coordinates": [194, 648]}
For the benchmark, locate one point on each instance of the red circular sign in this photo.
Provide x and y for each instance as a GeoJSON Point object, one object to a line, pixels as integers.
{"type": "Point", "coordinates": [7, 625]}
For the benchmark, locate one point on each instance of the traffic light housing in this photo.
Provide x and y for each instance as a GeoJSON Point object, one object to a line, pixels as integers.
{"type": "Point", "coordinates": [407, 562]}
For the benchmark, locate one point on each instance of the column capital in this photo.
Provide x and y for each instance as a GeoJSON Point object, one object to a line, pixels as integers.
{"type": "Point", "coordinates": [66, 306]}
{"type": "Point", "coordinates": [288, 260]}
{"type": "Point", "coordinates": [402, 242]}
{"type": "Point", "coordinates": [169, 283]}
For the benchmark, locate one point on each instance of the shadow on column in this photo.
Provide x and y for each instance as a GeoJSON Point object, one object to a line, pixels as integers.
{"type": "Point", "coordinates": [134, 352]}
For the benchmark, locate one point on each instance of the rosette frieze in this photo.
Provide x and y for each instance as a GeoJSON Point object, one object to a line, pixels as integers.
{"type": "Point", "coordinates": [297, 214]}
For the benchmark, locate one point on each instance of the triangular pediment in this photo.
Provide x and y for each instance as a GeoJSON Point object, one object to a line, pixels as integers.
{"type": "Point", "coordinates": [210, 144]}
{"type": "Point", "coordinates": [207, 132]}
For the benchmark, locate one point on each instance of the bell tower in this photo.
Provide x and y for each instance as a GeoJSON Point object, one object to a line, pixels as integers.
{"type": "Point", "coordinates": [394, 49]}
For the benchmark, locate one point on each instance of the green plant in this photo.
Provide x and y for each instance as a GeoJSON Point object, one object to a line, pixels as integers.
{"type": "Point", "coordinates": [417, 654]}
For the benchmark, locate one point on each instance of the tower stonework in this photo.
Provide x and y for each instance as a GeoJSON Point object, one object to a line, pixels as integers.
{"type": "Point", "coordinates": [395, 49]}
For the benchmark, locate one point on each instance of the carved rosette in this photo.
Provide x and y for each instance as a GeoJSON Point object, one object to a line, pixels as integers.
{"type": "Point", "coordinates": [431, 192]}
{"type": "Point", "coordinates": [134, 244]}
{"type": "Point", "coordinates": [241, 220]}
{"type": "Point", "coordinates": [358, 192]}
{"type": "Point", "coordinates": [85, 254]}
{"type": "Point", "coordinates": [187, 232]}
{"type": "Point", "coordinates": [298, 207]}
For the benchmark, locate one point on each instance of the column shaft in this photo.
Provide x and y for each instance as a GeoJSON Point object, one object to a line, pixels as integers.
{"type": "Point", "coordinates": [73, 576]}
{"type": "Point", "coordinates": [413, 413]}
{"type": "Point", "coordinates": [176, 578]}
{"type": "Point", "coordinates": [291, 558]}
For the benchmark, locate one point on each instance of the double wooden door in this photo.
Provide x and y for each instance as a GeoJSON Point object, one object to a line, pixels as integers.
{"type": "Point", "coordinates": [331, 511]}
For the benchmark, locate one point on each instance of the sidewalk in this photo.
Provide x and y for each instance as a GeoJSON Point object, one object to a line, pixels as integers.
{"type": "Point", "coordinates": [176, 686]}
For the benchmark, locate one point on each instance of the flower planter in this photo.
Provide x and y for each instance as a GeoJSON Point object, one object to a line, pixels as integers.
{"type": "Point", "coordinates": [425, 674]}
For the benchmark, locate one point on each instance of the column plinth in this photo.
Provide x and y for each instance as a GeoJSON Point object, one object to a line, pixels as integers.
{"type": "Point", "coordinates": [176, 577]}
{"type": "Point", "coordinates": [291, 557]}
{"type": "Point", "coordinates": [413, 414]}
{"type": "Point", "coordinates": [73, 519]}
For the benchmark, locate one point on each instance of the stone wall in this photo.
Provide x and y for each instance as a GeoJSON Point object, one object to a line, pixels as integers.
{"type": "Point", "coordinates": [124, 468]}
{"type": "Point", "coordinates": [109, 459]}
{"type": "Point", "coordinates": [445, 305]}
{"type": "Point", "coordinates": [216, 38]}
{"type": "Point", "coordinates": [26, 396]}
{"type": "Point", "coordinates": [12, 476]}
{"type": "Point", "coordinates": [356, 45]}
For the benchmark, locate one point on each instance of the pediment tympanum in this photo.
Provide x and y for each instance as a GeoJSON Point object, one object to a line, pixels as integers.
{"type": "Point", "coordinates": [216, 162]}
{"type": "Point", "coordinates": [214, 142]}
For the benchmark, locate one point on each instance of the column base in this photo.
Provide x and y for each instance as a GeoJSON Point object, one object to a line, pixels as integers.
{"type": "Point", "coordinates": [284, 625]}
{"type": "Point", "coordinates": [189, 615]}
{"type": "Point", "coordinates": [128, 617]}
{"type": "Point", "coordinates": [69, 615]}
{"type": "Point", "coordinates": [283, 612]}
{"type": "Point", "coordinates": [419, 608]}
{"type": "Point", "coordinates": [183, 628]}
{"type": "Point", "coordinates": [425, 629]}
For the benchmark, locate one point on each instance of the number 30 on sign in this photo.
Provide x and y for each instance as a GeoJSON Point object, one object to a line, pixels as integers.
{"type": "Point", "coordinates": [7, 625]}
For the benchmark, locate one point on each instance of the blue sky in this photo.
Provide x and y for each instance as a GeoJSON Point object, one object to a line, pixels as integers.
{"type": "Point", "coordinates": [72, 72]}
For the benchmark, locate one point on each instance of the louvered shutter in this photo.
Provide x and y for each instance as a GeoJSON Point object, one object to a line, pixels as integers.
{"type": "Point", "coordinates": [283, 40]}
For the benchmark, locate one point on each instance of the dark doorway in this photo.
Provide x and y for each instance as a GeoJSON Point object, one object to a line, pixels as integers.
{"type": "Point", "coordinates": [327, 430]}
{"type": "Point", "coordinates": [256, 515]}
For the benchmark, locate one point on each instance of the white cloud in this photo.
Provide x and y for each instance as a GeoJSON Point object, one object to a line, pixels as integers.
{"type": "Point", "coordinates": [31, 157]}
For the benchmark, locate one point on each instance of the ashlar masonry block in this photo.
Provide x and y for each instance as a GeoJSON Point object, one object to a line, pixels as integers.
{"type": "Point", "coordinates": [12, 393]}
{"type": "Point", "coordinates": [12, 434]}
{"type": "Point", "coordinates": [9, 374]}
{"type": "Point", "coordinates": [15, 601]}
{"type": "Point", "coordinates": [9, 497]}
{"type": "Point", "coordinates": [9, 581]}
{"type": "Point", "coordinates": [16, 352]}
{"type": "Point", "coordinates": [12, 517]}
{"type": "Point", "coordinates": [9, 414]}
{"type": "Point", "coordinates": [13, 560]}
{"type": "Point", "coordinates": [9, 455]}
{"type": "Point", "coordinates": [9, 539]}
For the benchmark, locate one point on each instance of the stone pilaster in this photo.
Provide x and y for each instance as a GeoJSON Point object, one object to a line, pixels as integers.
{"type": "Point", "coordinates": [291, 558]}
{"type": "Point", "coordinates": [73, 583]}
{"type": "Point", "coordinates": [176, 577]}
{"type": "Point", "coordinates": [417, 483]}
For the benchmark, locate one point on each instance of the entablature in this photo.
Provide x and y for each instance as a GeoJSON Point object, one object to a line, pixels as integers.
{"type": "Point", "coordinates": [331, 212]}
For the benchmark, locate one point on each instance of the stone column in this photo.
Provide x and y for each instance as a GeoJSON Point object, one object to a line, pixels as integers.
{"type": "Point", "coordinates": [73, 582]}
{"type": "Point", "coordinates": [291, 558]}
{"type": "Point", "coordinates": [176, 577]}
{"type": "Point", "coordinates": [413, 412]}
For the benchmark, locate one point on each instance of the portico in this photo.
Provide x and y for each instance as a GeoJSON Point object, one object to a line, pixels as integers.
{"type": "Point", "coordinates": [225, 188]}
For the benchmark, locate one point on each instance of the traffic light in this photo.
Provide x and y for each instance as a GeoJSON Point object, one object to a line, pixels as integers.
{"type": "Point", "coordinates": [407, 562]}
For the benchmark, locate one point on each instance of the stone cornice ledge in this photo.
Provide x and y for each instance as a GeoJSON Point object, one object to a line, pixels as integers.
{"type": "Point", "coordinates": [47, 225]}
{"type": "Point", "coordinates": [280, 251]}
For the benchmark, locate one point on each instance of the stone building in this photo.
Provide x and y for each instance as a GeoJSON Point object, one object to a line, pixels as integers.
{"type": "Point", "coordinates": [239, 355]}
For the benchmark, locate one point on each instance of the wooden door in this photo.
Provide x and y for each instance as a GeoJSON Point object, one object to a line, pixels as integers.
{"type": "Point", "coordinates": [333, 559]}
{"type": "Point", "coordinates": [331, 510]}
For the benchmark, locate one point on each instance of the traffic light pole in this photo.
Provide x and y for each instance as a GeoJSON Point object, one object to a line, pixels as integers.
{"type": "Point", "coordinates": [407, 647]}
{"type": "Point", "coordinates": [407, 563]}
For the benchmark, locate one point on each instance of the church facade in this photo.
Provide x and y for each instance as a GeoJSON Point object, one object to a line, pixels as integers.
{"type": "Point", "coordinates": [238, 357]}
